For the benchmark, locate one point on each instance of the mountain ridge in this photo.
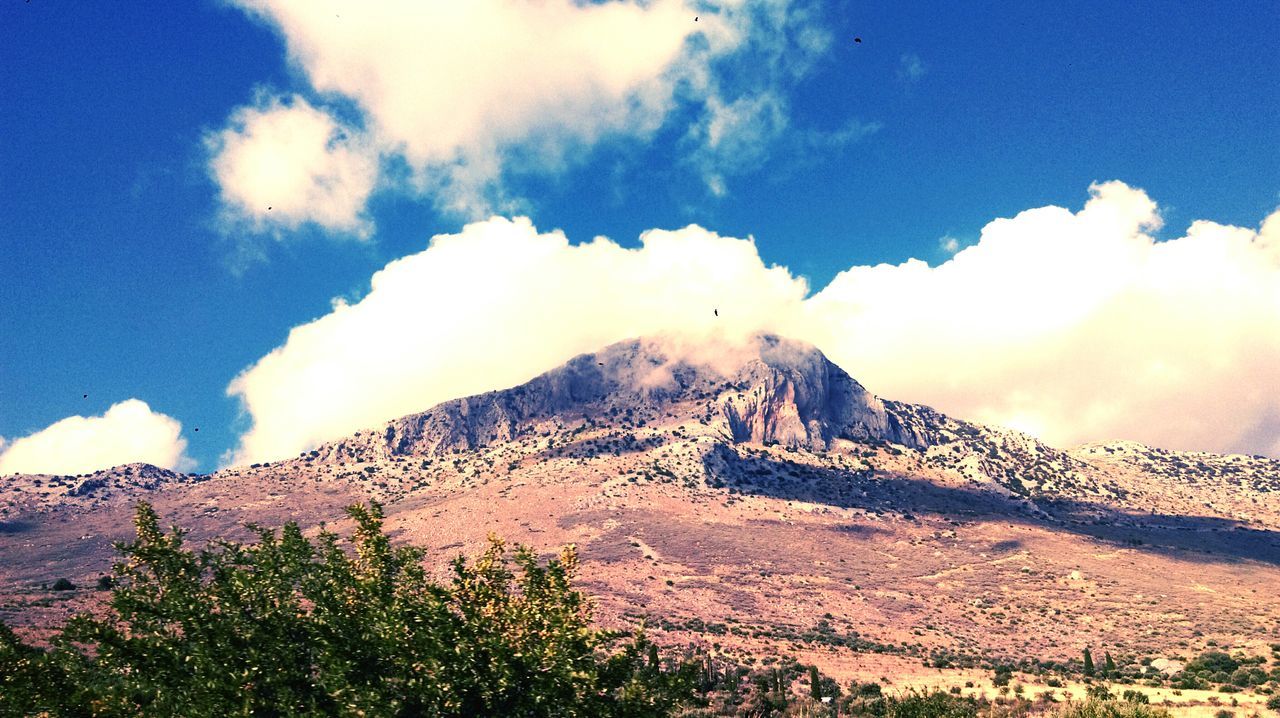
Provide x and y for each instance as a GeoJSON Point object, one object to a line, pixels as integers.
{"type": "Point", "coordinates": [759, 487]}
{"type": "Point", "coordinates": [768, 390]}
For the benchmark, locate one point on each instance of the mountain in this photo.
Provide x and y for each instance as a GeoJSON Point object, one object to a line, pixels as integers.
{"type": "Point", "coordinates": [772, 392]}
{"type": "Point", "coordinates": [755, 497]}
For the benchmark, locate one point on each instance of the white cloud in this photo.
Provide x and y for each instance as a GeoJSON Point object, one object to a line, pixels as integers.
{"type": "Point", "coordinates": [493, 306]}
{"type": "Point", "coordinates": [1077, 327]}
{"type": "Point", "coordinates": [734, 137]}
{"type": "Point", "coordinates": [128, 432]}
{"type": "Point", "coordinates": [1074, 326]}
{"type": "Point", "coordinates": [467, 92]}
{"type": "Point", "coordinates": [949, 244]}
{"type": "Point", "coordinates": [282, 163]}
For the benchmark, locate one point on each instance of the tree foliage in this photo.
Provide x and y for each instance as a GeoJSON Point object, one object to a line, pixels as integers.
{"type": "Point", "coordinates": [288, 626]}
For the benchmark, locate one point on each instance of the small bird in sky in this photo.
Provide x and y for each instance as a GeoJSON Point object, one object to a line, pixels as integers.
{"type": "Point", "coordinates": [197, 428]}
{"type": "Point", "coordinates": [268, 209]}
{"type": "Point", "coordinates": [717, 312]}
{"type": "Point", "coordinates": [858, 40]}
{"type": "Point", "coordinates": [86, 396]}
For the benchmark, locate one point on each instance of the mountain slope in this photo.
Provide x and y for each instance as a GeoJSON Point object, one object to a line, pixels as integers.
{"type": "Point", "coordinates": [758, 487]}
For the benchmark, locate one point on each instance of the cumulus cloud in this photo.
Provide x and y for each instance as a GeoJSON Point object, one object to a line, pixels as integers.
{"type": "Point", "coordinates": [1074, 326]}
{"type": "Point", "coordinates": [128, 432]}
{"type": "Point", "coordinates": [1077, 327]}
{"type": "Point", "coordinates": [466, 92]}
{"type": "Point", "coordinates": [493, 306]}
{"type": "Point", "coordinates": [282, 163]}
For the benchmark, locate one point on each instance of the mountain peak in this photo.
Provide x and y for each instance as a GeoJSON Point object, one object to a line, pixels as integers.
{"type": "Point", "coordinates": [766, 389]}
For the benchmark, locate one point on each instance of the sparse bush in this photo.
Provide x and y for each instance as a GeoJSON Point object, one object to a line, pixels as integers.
{"type": "Point", "coordinates": [1100, 693]}
{"type": "Point", "coordinates": [1132, 696]}
{"type": "Point", "coordinates": [1111, 709]}
{"type": "Point", "coordinates": [929, 704]}
{"type": "Point", "coordinates": [63, 584]}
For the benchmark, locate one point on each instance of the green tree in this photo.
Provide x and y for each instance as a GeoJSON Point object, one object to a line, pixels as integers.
{"type": "Point", "coordinates": [1088, 662]}
{"type": "Point", "coordinates": [1110, 665]}
{"type": "Point", "coordinates": [286, 626]}
{"type": "Point", "coordinates": [815, 683]}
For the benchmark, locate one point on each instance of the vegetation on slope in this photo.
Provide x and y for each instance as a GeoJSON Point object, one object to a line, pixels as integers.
{"type": "Point", "coordinates": [292, 626]}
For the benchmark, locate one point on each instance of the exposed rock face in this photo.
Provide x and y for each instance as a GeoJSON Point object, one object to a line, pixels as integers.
{"type": "Point", "coordinates": [795, 396]}
{"type": "Point", "coordinates": [773, 391]}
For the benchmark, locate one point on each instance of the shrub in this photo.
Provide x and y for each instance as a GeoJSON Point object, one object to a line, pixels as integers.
{"type": "Point", "coordinates": [1132, 696]}
{"type": "Point", "coordinates": [866, 690]}
{"type": "Point", "coordinates": [1213, 662]}
{"type": "Point", "coordinates": [931, 704]}
{"type": "Point", "coordinates": [1100, 693]}
{"type": "Point", "coordinates": [1111, 709]}
{"type": "Point", "coordinates": [63, 584]}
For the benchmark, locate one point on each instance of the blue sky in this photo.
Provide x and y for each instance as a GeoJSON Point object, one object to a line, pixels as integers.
{"type": "Point", "coordinates": [121, 277]}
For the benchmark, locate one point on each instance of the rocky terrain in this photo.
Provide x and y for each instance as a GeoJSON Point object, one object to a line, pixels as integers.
{"type": "Point", "coordinates": [754, 499]}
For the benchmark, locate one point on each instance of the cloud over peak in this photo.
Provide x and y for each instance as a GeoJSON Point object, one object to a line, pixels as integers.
{"type": "Point", "coordinates": [492, 306]}
{"type": "Point", "coordinates": [1075, 326]}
